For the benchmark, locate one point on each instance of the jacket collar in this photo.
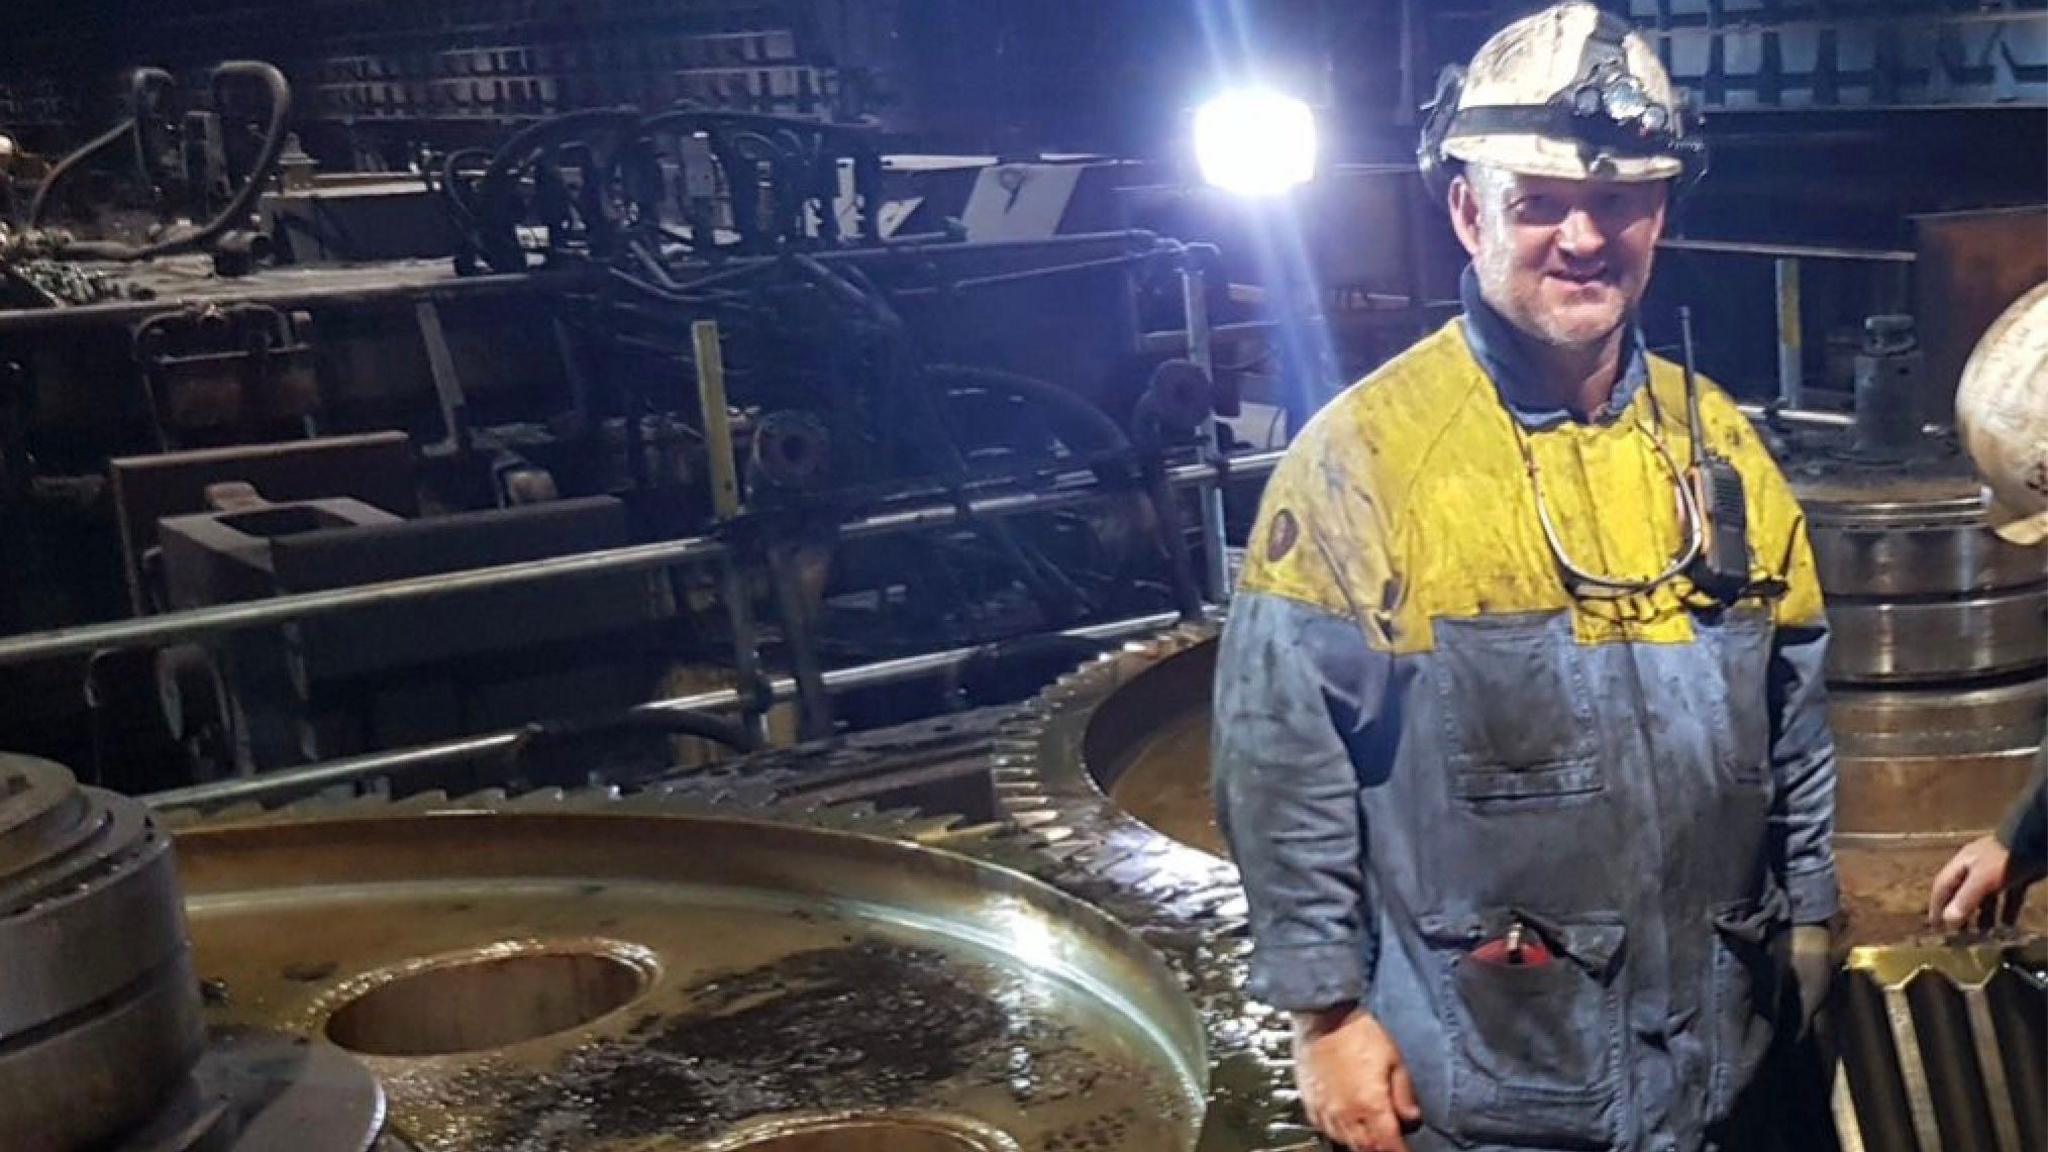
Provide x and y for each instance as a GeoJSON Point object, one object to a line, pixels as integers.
{"type": "Point", "coordinates": [1504, 353]}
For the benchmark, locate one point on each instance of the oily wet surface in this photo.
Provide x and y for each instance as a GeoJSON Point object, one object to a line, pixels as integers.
{"type": "Point", "coordinates": [754, 1010]}
{"type": "Point", "coordinates": [1164, 782]}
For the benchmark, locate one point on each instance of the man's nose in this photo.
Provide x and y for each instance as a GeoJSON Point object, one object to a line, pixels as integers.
{"type": "Point", "coordinates": [1580, 234]}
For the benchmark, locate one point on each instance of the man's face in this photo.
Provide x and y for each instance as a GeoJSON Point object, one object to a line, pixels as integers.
{"type": "Point", "coordinates": [1566, 261]}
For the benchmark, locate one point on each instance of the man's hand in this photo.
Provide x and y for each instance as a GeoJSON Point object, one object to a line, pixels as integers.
{"type": "Point", "coordinates": [1980, 871]}
{"type": "Point", "coordinates": [1352, 1081]}
{"type": "Point", "coordinates": [1813, 969]}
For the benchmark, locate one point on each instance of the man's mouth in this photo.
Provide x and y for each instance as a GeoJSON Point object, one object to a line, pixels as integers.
{"type": "Point", "coordinates": [1581, 279]}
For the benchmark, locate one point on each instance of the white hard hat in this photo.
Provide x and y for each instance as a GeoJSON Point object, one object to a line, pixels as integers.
{"type": "Point", "coordinates": [2002, 417]}
{"type": "Point", "coordinates": [1570, 92]}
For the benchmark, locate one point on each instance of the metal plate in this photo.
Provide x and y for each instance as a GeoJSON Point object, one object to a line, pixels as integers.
{"type": "Point", "coordinates": [1929, 641]}
{"type": "Point", "coordinates": [775, 970]}
{"type": "Point", "coordinates": [260, 1091]}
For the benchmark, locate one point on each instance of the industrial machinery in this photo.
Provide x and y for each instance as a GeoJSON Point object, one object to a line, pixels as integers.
{"type": "Point", "coordinates": [644, 327]}
{"type": "Point", "coordinates": [559, 503]}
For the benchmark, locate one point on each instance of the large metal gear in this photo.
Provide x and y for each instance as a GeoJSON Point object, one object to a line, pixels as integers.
{"type": "Point", "coordinates": [252, 871]}
{"type": "Point", "coordinates": [1091, 773]}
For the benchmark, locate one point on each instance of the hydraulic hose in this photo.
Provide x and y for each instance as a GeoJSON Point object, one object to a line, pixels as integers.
{"type": "Point", "coordinates": [236, 213]}
{"type": "Point", "coordinates": [66, 166]}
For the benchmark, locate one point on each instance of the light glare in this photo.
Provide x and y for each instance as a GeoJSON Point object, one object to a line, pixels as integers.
{"type": "Point", "coordinates": [1255, 142]}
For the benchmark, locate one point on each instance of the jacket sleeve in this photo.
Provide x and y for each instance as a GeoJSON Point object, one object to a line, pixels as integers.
{"type": "Point", "coordinates": [2024, 831]}
{"type": "Point", "coordinates": [1300, 679]}
{"type": "Point", "coordinates": [1803, 743]}
{"type": "Point", "coordinates": [1295, 689]}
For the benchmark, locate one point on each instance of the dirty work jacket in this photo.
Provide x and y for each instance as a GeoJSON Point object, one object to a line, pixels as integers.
{"type": "Point", "coordinates": [1421, 739]}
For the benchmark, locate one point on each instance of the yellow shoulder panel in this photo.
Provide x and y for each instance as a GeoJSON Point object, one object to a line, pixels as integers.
{"type": "Point", "coordinates": [1325, 534]}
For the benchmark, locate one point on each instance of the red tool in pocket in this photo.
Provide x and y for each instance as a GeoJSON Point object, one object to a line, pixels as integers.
{"type": "Point", "coordinates": [1518, 948]}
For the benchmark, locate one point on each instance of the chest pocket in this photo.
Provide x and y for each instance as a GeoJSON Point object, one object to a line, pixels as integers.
{"type": "Point", "coordinates": [1741, 641]}
{"type": "Point", "coordinates": [1516, 714]}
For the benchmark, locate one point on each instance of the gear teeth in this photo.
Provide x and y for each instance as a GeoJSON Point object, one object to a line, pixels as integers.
{"type": "Point", "coordinates": [1187, 904]}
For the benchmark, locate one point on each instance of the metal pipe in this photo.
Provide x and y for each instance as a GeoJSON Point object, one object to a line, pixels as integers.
{"type": "Point", "coordinates": [716, 418]}
{"type": "Point", "coordinates": [1797, 251]}
{"type": "Point", "coordinates": [288, 290]}
{"type": "Point", "coordinates": [292, 782]}
{"type": "Point", "coordinates": [725, 483]}
{"type": "Point", "coordinates": [1791, 343]}
{"type": "Point", "coordinates": [175, 627]}
{"type": "Point", "coordinates": [1811, 417]}
{"type": "Point", "coordinates": [1201, 351]}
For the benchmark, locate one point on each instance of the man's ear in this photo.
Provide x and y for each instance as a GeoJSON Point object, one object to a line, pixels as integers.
{"type": "Point", "coordinates": [1463, 202]}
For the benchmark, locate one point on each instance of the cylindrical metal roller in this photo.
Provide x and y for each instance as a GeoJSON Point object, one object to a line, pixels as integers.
{"type": "Point", "coordinates": [84, 945]}
{"type": "Point", "coordinates": [94, 1078]}
{"type": "Point", "coordinates": [1919, 588]}
{"type": "Point", "coordinates": [1946, 556]}
{"type": "Point", "coordinates": [1933, 796]}
{"type": "Point", "coordinates": [1934, 641]}
{"type": "Point", "coordinates": [1884, 722]}
{"type": "Point", "coordinates": [99, 1012]}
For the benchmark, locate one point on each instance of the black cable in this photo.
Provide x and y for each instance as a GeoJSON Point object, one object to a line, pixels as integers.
{"type": "Point", "coordinates": [65, 167]}
{"type": "Point", "coordinates": [1097, 432]}
{"type": "Point", "coordinates": [140, 86]}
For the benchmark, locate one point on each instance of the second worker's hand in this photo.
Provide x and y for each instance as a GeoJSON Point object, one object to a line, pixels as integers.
{"type": "Point", "coordinates": [1354, 1086]}
{"type": "Point", "coordinates": [1972, 877]}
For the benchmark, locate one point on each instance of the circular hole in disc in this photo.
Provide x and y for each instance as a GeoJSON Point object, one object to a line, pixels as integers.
{"type": "Point", "coordinates": [488, 1002]}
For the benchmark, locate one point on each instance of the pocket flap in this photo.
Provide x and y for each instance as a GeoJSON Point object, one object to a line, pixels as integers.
{"type": "Point", "coordinates": [1590, 942]}
{"type": "Point", "coordinates": [1593, 945]}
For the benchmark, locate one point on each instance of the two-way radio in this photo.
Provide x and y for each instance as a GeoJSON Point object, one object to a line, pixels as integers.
{"type": "Point", "coordinates": [1721, 569]}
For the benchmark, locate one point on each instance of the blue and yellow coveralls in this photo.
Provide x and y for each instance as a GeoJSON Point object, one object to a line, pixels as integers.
{"type": "Point", "coordinates": [1423, 740]}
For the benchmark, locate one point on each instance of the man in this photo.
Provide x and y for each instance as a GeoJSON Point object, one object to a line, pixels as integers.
{"type": "Point", "coordinates": [1526, 789]}
{"type": "Point", "coordinates": [2002, 422]}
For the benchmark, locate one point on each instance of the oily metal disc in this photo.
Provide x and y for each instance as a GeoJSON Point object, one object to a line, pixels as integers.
{"type": "Point", "coordinates": [589, 980]}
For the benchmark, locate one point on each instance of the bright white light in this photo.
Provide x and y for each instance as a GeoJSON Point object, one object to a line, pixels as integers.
{"type": "Point", "coordinates": [1256, 142]}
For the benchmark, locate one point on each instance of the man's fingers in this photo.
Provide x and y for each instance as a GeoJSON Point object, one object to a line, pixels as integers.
{"type": "Point", "coordinates": [1975, 887]}
{"type": "Point", "coordinates": [1405, 1105]}
{"type": "Point", "coordinates": [1946, 882]}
